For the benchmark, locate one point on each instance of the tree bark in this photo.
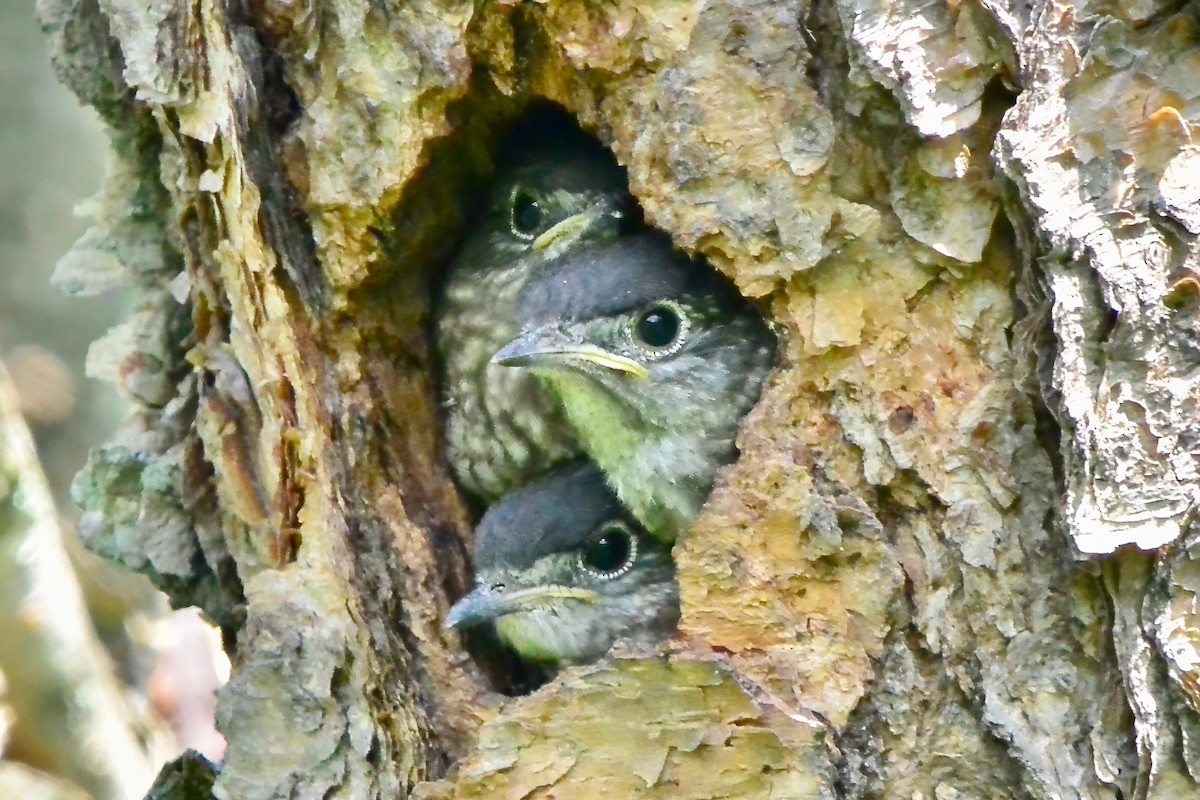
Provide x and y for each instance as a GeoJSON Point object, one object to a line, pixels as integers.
{"type": "Point", "coordinates": [954, 556]}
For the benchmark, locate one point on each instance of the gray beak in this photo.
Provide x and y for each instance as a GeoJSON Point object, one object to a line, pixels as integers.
{"type": "Point", "coordinates": [548, 346]}
{"type": "Point", "coordinates": [491, 601]}
{"type": "Point", "coordinates": [479, 606]}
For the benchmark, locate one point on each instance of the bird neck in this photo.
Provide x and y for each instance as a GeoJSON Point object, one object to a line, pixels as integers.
{"type": "Point", "coordinates": [609, 428]}
{"type": "Point", "coordinates": [661, 474]}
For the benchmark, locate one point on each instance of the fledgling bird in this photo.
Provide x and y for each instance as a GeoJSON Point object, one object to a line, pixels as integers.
{"type": "Point", "coordinates": [563, 571]}
{"type": "Point", "coordinates": [501, 428]}
{"type": "Point", "coordinates": [655, 361]}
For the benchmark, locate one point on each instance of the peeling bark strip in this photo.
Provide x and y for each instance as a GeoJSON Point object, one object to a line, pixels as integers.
{"type": "Point", "coordinates": [1101, 148]}
{"type": "Point", "coordinates": [879, 600]}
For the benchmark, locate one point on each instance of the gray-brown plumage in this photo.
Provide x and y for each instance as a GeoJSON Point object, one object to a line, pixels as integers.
{"type": "Point", "coordinates": [502, 428]}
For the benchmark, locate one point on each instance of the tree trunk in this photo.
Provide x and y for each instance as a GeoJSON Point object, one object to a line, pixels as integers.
{"type": "Point", "coordinates": [953, 559]}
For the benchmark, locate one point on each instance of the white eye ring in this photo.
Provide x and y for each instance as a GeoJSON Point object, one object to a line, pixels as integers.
{"type": "Point", "coordinates": [530, 231]}
{"type": "Point", "coordinates": [675, 345]}
{"type": "Point", "coordinates": [608, 528]}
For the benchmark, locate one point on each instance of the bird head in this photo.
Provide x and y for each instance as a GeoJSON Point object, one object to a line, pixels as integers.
{"type": "Point", "coordinates": [551, 197]}
{"type": "Point", "coordinates": [563, 571]}
{"type": "Point", "coordinates": [634, 336]}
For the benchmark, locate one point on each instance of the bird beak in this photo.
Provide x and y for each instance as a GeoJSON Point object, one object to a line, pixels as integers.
{"type": "Point", "coordinates": [574, 228]}
{"type": "Point", "coordinates": [488, 602]}
{"type": "Point", "coordinates": [546, 347]}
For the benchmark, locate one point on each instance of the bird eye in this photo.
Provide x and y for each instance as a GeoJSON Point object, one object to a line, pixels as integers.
{"type": "Point", "coordinates": [527, 214]}
{"type": "Point", "coordinates": [660, 326]}
{"type": "Point", "coordinates": [610, 551]}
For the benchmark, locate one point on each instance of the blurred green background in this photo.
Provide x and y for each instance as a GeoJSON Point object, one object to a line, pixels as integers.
{"type": "Point", "coordinates": [52, 155]}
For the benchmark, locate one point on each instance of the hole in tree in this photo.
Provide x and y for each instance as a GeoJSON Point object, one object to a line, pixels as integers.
{"type": "Point", "coordinates": [553, 241]}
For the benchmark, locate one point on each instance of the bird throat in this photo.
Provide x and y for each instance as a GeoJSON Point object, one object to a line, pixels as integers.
{"type": "Point", "coordinates": [635, 454]}
{"type": "Point", "coordinates": [610, 429]}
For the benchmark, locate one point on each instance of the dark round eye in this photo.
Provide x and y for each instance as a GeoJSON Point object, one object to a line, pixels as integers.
{"type": "Point", "coordinates": [527, 215]}
{"type": "Point", "coordinates": [659, 326]}
{"type": "Point", "coordinates": [610, 551]}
